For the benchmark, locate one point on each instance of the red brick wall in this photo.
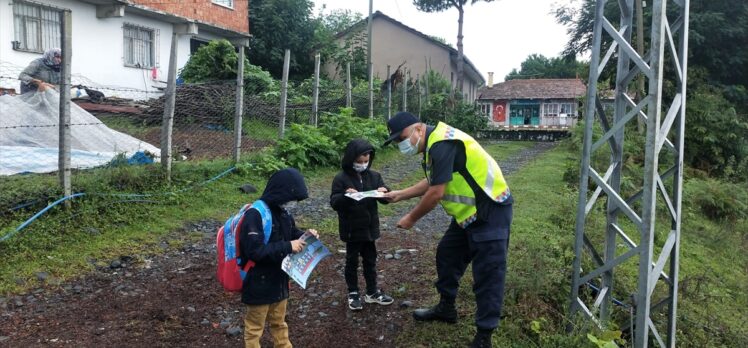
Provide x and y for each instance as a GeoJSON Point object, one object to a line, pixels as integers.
{"type": "Point", "coordinates": [205, 11]}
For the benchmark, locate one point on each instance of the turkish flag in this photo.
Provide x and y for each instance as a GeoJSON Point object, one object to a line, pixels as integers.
{"type": "Point", "coordinates": [499, 111]}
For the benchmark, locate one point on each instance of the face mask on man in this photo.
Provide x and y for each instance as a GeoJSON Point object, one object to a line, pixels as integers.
{"type": "Point", "coordinates": [406, 148]}
{"type": "Point", "coordinates": [360, 167]}
{"type": "Point", "coordinates": [289, 205]}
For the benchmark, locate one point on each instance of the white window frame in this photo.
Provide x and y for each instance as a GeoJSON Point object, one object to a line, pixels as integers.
{"type": "Point", "coordinates": [551, 109]}
{"type": "Point", "coordinates": [36, 27]}
{"type": "Point", "coordinates": [486, 108]}
{"type": "Point", "coordinates": [567, 109]}
{"type": "Point", "coordinates": [224, 3]}
{"type": "Point", "coordinates": [139, 51]}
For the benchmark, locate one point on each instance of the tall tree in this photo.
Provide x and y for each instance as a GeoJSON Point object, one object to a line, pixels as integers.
{"type": "Point", "coordinates": [537, 66]}
{"type": "Point", "coordinates": [717, 30]}
{"type": "Point", "coordinates": [277, 25]}
{"type": "Point", "coordinates": [717, 126]}
{"type": "Point", "coordinates": [350, 50]}
{"type": "Point", "coordinates": [443, 5]}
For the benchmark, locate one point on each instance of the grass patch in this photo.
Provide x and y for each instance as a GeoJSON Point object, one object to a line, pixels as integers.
{"type": "Point", "coordinates": [66, 243]}
{"type": "Point", "coordinates": [540, 252]}
{"type": "Point", "coordinates": [505, 149]}
{"type": "Point", "coordinates": [127, 125]}
{"type": "Point", "coordinates": [257, 129]}
{"type": "Point", "coordinates": [713, 281]}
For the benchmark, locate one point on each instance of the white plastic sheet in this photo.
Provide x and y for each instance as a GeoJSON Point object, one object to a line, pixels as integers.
{"type": "Point", "coordinates": [29, 136]}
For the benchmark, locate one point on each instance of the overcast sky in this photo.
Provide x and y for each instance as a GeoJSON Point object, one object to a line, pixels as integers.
{"type": "Point", "coordinates": [498, 35]}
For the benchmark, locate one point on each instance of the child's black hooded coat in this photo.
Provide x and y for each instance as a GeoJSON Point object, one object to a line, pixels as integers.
{"type": "Point", "coordinates": [266, 282]}
{"type": "Point", "coordinates": [358, 220]}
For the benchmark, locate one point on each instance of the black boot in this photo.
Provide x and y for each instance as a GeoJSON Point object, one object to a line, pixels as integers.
{"type": "Point", "coordinates": [482, 339]}
{"type": "Point", "coordinates": [443, 311]}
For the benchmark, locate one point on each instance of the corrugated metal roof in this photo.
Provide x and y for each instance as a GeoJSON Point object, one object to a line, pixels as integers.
{"type": "Point", "coordinates": [534, 89]}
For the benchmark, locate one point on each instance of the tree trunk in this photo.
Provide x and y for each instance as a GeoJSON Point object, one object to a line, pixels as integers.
{"type": "Point", "coordinates": [460, 59]}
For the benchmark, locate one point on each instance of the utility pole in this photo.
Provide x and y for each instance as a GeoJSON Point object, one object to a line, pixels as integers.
{"type": "Point", "coordinates": [315, 98]}
{"type": "Point", "coordinates": [368, 60]}
{"type": "Point", "coordinates": [368, 36]}
{"type": "Point", "coordinates": [65, 146]}
{"type": "Point", "coordinates": [632, 217]}
{"type": "Point", "coordinates": [640, 50]}
{"type": "Point", "coordinates": [284, 92]}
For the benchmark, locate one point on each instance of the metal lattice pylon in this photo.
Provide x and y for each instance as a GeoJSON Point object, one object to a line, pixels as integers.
{"type": "Point", "coordinates": [662, 181]}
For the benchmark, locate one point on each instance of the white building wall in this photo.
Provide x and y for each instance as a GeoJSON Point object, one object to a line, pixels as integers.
{"type": "Point", "coordinates": [98, 48]}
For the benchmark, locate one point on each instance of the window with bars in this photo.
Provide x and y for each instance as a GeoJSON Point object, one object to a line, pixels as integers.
{"type": "Point", "coordinates": [227, 3]}
{"type": "Point", "coordinates": [139, 46]}
{"type": "Point", "coordinates": [36, 27]}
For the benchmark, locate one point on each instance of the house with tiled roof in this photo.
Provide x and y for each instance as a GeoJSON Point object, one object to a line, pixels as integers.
{"type": "Point", "coordinates": [532, 103]}
{"type": "Point", "coordinates": [396, 45]}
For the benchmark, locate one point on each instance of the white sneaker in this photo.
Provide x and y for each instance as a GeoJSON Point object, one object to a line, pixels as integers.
{"type": "Point", "coordinates": [379, 297]}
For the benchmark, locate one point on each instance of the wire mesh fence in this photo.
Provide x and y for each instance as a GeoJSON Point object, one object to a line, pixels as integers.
{"type": "Point", "coordinates": [111, 126]}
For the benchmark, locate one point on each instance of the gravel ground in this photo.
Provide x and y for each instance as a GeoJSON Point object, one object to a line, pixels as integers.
{"type": "Point", "coordinates": [172, 298]}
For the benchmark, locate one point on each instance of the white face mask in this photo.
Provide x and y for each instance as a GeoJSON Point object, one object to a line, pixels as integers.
{"type": "Point", "coordinates": [407, 148]}
{"type": "Point", "coordinates": [289, 205]}
{"type": "Point", "coordinates": [360, 167]}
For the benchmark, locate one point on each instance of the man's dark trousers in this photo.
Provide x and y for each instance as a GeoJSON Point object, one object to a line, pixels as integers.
{"type": "Point", "coordinates": [485, 244]}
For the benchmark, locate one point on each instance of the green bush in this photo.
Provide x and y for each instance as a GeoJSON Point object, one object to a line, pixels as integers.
{"type": "Point", "coordinates": [214, 61]}
{"type": "Point", "coordinates": [304, 146]}
{"type": "Point", "coordinates": [345, 126]}
{"type": "Point", "coordinates": [717, 199]}
{"type": "Point", "coordinates": [443, 108]}
{"type": "Point", "coordinates": [218, 61]}
{"type": "Point", "coordinates": [262, 163]}
{"type": "Point", "coordinates": [716, 136]}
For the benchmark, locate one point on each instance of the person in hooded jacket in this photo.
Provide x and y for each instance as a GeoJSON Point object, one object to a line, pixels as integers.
{"type": "Point", "coordinates": [42, 73]}
{"type": "Point", "coordinates": [358, 221]}
{"type": "Point", "coordinates": [265, 287]}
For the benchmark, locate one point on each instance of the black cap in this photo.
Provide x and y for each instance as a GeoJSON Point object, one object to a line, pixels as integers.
{"type": "Point", "coordinates": [397, 124]}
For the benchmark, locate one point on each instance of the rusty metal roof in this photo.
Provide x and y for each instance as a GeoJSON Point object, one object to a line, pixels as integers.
{"type": "Point", "coordinates": [534, 89]}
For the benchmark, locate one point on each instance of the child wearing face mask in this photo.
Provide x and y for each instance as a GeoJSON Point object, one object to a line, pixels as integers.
{"type": "Point", "coordinates": [359, 220]}
{"type": "Point", "coordinates": [265, 287]}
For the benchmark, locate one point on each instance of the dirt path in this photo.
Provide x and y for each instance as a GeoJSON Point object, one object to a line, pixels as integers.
{"type": "Point", "coordinates": [173, 300]}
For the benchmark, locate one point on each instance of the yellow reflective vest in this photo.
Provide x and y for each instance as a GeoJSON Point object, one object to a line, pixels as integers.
{"type": "Point", "coordinates": [459, 198]}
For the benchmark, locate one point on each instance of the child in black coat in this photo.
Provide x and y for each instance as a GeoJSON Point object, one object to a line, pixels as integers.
{"type": "Point", "coordinates": [265, 288]}
{"type": "Point", "coordinates": [359, 220]}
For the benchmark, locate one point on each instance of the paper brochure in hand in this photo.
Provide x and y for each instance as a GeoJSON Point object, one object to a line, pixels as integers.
{"type": "Point", "coordinates": [300, 265]}
{"type": "Point", "coordinates": [366, 194]}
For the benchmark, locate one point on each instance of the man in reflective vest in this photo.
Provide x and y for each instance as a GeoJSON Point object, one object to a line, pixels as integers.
{"type": "Point", "coordinates": [469, 184]}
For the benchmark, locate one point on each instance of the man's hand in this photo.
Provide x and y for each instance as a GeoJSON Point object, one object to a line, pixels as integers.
{"type": "Point", "coordinates": [416, 190]}
{"type": "Point", "coordinates": [297, 245]}
{"type": "Point", "coordinates": [406, 222]}
{"type": "Point", "coordinates": [313, 232]}
{"type": "Point", "coordinates": [394, 196]}
{"type": "Point", "coordinates": [351, 190]}
{"type": "Point", "coordinates": [382, 189]}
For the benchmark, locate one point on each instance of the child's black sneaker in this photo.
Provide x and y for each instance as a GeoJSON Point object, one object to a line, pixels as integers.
{"type": "Point", "coordinates": [354, 301]}
{"type": "Point", "coordinates": [379, 297]}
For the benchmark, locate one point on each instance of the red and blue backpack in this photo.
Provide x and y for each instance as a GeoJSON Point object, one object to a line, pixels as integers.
{"type": "Point", "coordinates": [229, 271]}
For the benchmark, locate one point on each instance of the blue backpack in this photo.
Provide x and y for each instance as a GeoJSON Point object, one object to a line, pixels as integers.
{"type": "Point", "coordinates": [229, 271]}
